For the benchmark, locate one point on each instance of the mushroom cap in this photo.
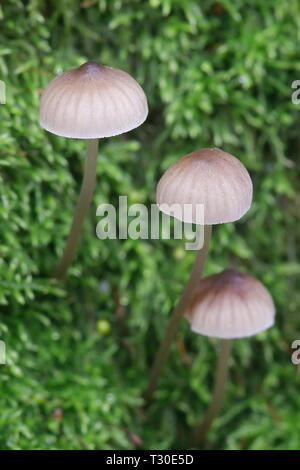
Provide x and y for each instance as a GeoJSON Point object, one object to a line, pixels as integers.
{"type": "Point", "coordinates": [92, 101]}
{"type": "Point", "coordinates": [210, 177]}
{"type": "Point", "coordinates": [231, 304]}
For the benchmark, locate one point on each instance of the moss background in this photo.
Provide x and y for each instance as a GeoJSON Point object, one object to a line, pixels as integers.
{"type": "Point", "coordinates": [215, 74]}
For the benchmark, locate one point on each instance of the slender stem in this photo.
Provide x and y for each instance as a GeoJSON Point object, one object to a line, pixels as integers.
{"type": "Point", "coordinates": [85, 197]}
{"type": "Point", "coordinates": [176, 316]}
{"type": "Point", "coordinates": [200, 431]}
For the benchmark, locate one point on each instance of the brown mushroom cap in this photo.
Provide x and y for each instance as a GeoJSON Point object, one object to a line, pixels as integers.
{"type": "Point", "coordinates": [210, 177]}
{"type": "Point", "coordinates": [92, 101]}
{"type": "Point", "coordinates": [231, 304]}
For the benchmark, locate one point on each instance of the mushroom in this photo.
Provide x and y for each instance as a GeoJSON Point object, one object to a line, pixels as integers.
{"type": "Point", "coordinates": [221, 184]}
{"type": "Point", "coordinates": [228, 305]}
{"type": "Point", "coordinates": [90, 102]}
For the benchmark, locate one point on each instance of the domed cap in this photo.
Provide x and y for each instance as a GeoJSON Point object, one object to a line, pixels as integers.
{"type": "Point", "coordinates": [210, 177]}
{"type": "Point", "coordinates": [92, 101]}
{"type": "Point", "coordinates": [230, 305]}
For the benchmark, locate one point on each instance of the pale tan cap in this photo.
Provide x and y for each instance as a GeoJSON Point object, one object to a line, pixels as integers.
{"type": "Point", "coordinates": [92, 101]}
{"type": "Point", "coordinates": [231, 304]}
{"type": "Point", "coordinates": [210, 177]}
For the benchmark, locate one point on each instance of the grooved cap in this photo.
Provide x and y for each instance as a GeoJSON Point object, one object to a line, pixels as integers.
{"type": "Point", "coordinates": [231, 304]}
{"type": "Point", "coordinates": [210, 177]}
{"type": "Point", "coordinates": [92, 101]}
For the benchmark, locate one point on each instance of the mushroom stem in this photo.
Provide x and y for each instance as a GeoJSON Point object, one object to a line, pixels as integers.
{"type": "Point", "coordinates": [176, 316]}
{"type": "Point", "coordinates": [200, 431]}
{"type": "Point", "coordinates": [85, 196]}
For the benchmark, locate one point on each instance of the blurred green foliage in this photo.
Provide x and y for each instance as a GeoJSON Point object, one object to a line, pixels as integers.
{"type": "Point", "coordinates": [78, 353]}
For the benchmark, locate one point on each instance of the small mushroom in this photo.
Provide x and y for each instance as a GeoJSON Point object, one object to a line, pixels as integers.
{"type": "Point", "coordinates": [228, 305]}
{"type": "Point", "coordinates": [90, 102]}
{"type": "Point", "coordinates": [211, 177]}
{"type": "Point", "coordinates": [219, 182]}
